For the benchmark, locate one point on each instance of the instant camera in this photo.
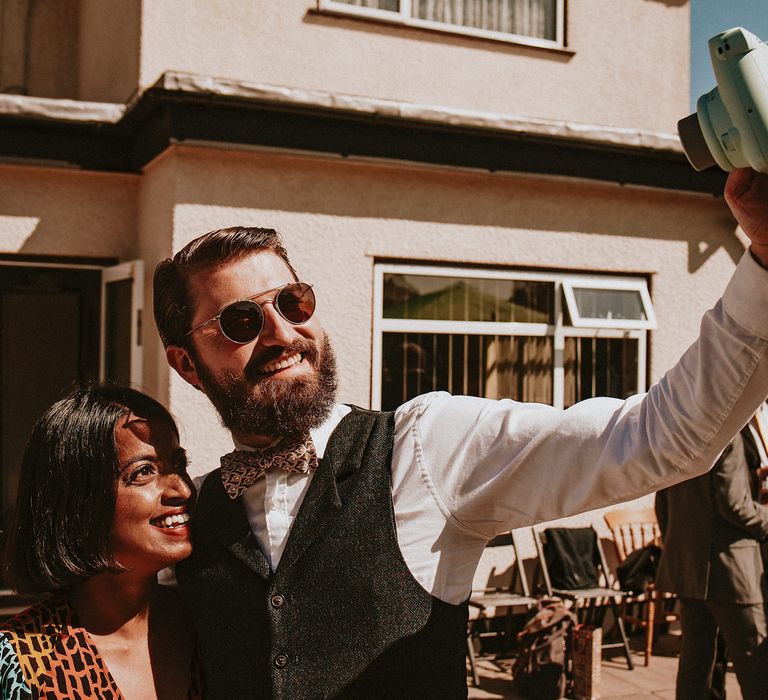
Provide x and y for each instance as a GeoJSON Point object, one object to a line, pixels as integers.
{"type": "Point", "coordinates": [730, 126]}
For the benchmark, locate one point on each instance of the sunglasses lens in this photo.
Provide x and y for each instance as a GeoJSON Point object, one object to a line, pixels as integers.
{"type": "Point", "coordinates": [242, 321]}
{"type": "Point", "coordinates": [296, 302]}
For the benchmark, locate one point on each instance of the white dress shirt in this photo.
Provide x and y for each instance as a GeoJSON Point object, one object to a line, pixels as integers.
{"type": "Point", "coordinates": [465, 469]}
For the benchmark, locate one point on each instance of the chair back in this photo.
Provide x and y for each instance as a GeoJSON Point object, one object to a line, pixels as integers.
{"type": "Point", "coordinates": [571, 558]}
{"type": "Point", "coordinates": [632, 529]}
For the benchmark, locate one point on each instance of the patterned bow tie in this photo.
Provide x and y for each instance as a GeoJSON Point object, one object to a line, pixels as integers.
{"type": "Point", "coordinates": [241, 469]}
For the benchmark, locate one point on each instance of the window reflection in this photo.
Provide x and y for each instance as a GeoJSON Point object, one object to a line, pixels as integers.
{"type": "Point", "coordinates": [467, 299]}
{"type": "Point", "coordinates": [609, 303]}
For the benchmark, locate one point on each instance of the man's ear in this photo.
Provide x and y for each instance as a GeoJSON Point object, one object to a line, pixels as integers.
{"type": "Point", "coordinates": [180, 359]}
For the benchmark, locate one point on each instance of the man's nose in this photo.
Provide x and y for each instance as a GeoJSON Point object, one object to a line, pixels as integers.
{"type": "Point", "coordinates": [276, 330]}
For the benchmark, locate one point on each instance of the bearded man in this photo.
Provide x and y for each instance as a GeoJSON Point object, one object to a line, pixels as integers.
{"type": "Point", "coordinates": [334, 549]}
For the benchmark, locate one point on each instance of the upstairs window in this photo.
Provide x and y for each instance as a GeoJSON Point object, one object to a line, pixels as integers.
{"type": "Point", "coordinates": [538, 22]}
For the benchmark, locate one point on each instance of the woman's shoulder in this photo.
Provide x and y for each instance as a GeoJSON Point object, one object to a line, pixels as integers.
{"type": "Point", "coordinates": [13, 684]}
{"type": "Point", "coordinates": [45, 648]}
{"type": "Point", "coordinates": [25, 638]}
{"type": "Point", "coordinates": [47, 617]}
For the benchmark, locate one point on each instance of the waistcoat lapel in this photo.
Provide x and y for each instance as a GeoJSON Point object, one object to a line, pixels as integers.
{"type": "Point", "coordinates": [231, 528]}
{"type": "Point", "coordinates": [324, 498]}
{"type": "Point", "coordinates": [249, 552]}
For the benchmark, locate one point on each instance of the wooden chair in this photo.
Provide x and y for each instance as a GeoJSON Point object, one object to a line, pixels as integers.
{"type": "Point", "coordinates": [593, 598]}
{"type": "Point", "coordinates": [631, 530]}
{"type": "Point", "coordinates": [512, 593]}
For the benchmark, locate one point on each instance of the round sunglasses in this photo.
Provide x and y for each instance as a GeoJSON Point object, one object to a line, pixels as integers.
{"type": "Point", "coordinates": [243, 320]}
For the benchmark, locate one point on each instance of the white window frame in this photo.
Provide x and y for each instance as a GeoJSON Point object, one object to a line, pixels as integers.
{"type": "Point", "coordinates": [610, 284]}
{"type": "Point", "coordinates": [133, 270]}
{"type": "Point", "coordinates": [558, 331]}
{"type": "Point", "coordinates": [404, 17]}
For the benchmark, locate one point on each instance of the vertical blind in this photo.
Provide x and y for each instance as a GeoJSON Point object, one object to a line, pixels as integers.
{"type": "Point", "coordinates": [535, 18]}
{"type": "Point", "coordinates": [524, 17]}
{"type": "Point", "coordinates": [496, 367]}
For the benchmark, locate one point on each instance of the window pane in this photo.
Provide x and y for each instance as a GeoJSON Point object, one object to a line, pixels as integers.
{"type": "Point", "coordinates": [599, 367]}
{"type": "Point", "coordinates": [393, 5]}
{"type": "Point", "coordinates": [467, 299]}
{"type": "Point", "coordinates": [494, 367]}
{"type": "Point", "coordinates": [117, 342]}
{"type": "Point", "coordinates": [534, 18]}
{"type": "Point", "coordinates": [610, 304]}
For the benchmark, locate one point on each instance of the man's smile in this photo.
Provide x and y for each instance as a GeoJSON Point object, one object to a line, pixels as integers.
{"type": "Point", "coordinates": [281, 363]}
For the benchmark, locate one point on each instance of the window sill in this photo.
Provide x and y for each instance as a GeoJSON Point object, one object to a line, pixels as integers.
{"type": "Point", "coordinates": [467, 33]}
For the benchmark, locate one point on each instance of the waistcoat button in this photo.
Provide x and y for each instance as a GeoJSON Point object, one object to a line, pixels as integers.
{"type": "Point", "coordinates": [277, 601]}
{"type": "Point", "coordinates": [280, 660]}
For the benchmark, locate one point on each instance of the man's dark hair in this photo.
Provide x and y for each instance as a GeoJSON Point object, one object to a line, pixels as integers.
{"type": "Point", "coordinates": [172, 303]}
{"type": "Point", "coordinates": [59, 533]}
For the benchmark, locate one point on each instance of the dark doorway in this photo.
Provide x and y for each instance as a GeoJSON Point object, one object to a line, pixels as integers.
{"type": "Point", "coordinates": [49, 339]}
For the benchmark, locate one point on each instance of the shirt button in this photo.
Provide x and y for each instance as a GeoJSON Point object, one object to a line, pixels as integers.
{"type": "Point", "coordinates": [280, 660]}
{"type": "Point", "coordinates": [277, 601]}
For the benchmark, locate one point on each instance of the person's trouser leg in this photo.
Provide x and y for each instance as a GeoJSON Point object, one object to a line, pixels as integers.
{"type": "Point", "coordinates": [717, 688]}
{"type": "Point", "coordinates": [744, 629]}
{"type": "Point", "coordinates": [697, 653]}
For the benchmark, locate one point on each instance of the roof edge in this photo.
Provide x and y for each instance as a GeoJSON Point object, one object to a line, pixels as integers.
{"type": "Point", "coordinates": [67, 110]}
{"type": "Point", "coordinates": [204, 85]}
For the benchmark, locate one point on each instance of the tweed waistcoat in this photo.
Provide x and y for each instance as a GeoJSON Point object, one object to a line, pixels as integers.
{"type": "Point", "coordinates": [342, 616]}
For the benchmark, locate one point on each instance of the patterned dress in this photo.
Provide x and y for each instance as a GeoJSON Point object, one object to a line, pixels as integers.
{"type": "Point", "coordinates": [44, 653]}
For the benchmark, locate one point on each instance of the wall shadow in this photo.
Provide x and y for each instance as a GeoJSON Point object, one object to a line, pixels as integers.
{"type": "Point", "coordinates": [367, 191]}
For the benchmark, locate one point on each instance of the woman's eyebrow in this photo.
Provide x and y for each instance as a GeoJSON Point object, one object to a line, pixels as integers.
{"type": "Point", "coordinates": [139, 458]}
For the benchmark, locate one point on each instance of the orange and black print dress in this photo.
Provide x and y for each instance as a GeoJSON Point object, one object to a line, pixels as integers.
{"type": "Point", "coordinates": [44, 653]}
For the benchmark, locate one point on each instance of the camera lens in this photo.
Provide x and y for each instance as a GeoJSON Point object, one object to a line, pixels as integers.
{"type": "Point", "coordinates": [694, 145]}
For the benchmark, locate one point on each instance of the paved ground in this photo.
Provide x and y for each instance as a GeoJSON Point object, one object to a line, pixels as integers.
{"type": "Point", "coordinates": [617, 681]}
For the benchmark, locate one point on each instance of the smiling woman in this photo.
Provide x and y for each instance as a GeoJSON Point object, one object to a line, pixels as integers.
{"type": "Point", "coordinates": [103, 505]}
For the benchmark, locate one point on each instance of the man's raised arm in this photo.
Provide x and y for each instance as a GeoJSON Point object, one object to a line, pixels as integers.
{"type": "Point", "coordinates": [492, 465]}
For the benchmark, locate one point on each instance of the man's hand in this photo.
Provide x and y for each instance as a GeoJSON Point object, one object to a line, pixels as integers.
{"type": "Point", "coordinates": [746, 192]}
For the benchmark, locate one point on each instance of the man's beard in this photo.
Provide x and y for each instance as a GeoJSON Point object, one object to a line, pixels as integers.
{"type": "Point", "coordinates": [253, 404]}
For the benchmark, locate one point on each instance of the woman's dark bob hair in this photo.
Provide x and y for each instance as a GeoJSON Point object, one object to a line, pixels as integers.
{"type": "Point", "coordinates": [60, 530]}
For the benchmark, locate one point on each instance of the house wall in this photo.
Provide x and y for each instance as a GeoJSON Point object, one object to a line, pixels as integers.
{"type": "Point", "coordinates": [63, 212]}
{"type": "Point", "coordinates": [39, 47]}
{"type": "Point", "coordinates": [288, 43]}
{"type": "Point", "coordinates": [105, 52]}
{"type": "Point", "coordinates": [109, 50]}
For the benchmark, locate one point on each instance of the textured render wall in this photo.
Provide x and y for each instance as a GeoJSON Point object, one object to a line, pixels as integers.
{"type": "Point", "coordinates": [66, 212]}
{"type": "Point", "coordinates": [337, 217]}
{"type": "Point", "coordinates": [626, 65]}
{"type": "Point", "coordinates": [109, 48]}
{"type": "Point", "coordinates": [39, 48]}
{"type": "Point", "coordinates": [157, 196]}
